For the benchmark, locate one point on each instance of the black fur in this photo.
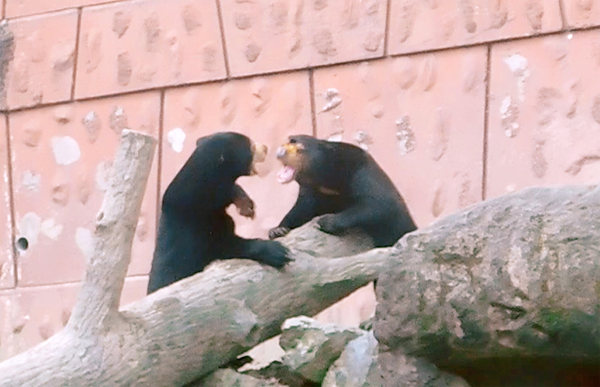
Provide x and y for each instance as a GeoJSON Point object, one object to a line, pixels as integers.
{"type": "Point", "coordinates": [194, 228]}
{"type": "Point", "coordinates": [345, 184]}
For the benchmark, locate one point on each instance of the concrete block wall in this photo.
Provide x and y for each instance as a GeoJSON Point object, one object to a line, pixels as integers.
{"type": "Point", "coordinates": [458, 100]}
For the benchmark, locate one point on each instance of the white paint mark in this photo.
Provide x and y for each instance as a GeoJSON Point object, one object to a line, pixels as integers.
{"type": "Point", "coordinates": [405, 136]}
{"type": "Point", "coordinates": [507, 114]}
{"type": "Point", "coordinates": [66, 150]}
{"type": "Point", "coordinates": [570, 36]}
{"type": "Point", "coordinates": [85, 241]}
{"type": "Point", "coordinates": [505, 105]}
{"type": "Point", "coordinates": [363, 139]}
{"type": "Point", "coordinates": [332, 96]}
{"type": "Point", "coordinates": [29, 227]}
{"type": "Point", "coordinates": [518, 65]}
{"type": "Point", "coordinates": [31, 181]}
{"type": "Point", "coordinates": [336, 137]}
{"type": "Point", "coordinates": [51, 229]}
{"type": "Point", "coordinates": [176, 138]}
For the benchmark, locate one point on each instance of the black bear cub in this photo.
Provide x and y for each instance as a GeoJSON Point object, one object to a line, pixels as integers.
{"type": "Point", "coordinates": [194, 228]}
{"type": "Point", "coordinates": [346, 185]}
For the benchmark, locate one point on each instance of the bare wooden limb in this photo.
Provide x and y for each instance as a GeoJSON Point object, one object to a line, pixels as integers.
{"type": "Point", "coordinates": [190, 328]}
{"type": "Point", "coordinates": [116, 221]}
{"type": "Point", "coordinates": [75, 349]}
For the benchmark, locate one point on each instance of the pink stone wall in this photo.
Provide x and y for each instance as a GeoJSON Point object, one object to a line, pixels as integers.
{"type": "Point", "coordinates": [458, 100]}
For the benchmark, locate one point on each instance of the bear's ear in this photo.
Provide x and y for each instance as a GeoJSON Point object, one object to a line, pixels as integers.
{"type": "Point", "coordinates": [200, 141]}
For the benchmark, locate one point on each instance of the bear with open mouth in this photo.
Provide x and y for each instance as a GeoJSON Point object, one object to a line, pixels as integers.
{"type": "Point", "coordinates": [345, 185]}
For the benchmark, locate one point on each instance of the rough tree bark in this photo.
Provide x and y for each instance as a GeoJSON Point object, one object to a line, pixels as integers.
{"type": "Point", "coordinates": [186, 330]}
{"type": "Point", "coordinates": [511, 281]}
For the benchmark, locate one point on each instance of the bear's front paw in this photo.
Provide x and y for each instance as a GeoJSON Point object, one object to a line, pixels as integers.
{"type": "Point", "coordinates": [275, 254]}
{"type": "Point", "coordinates": [277, 232]}
{"type": "Point", "coordinates": [329, 225]}
{"type": "Point", "coordinates": [245, 206]}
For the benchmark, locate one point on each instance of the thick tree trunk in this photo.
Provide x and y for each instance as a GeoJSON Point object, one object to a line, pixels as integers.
{"type": "Point", "coordinates": [186, 330]}
{"type": "Point", "coordinates": [511, 281]}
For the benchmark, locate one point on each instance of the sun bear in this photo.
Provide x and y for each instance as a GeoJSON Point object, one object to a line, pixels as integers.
{"type": "Point", "coordinates": [345, 184]}
{"type": "Point", "coordinates": [194, 228]}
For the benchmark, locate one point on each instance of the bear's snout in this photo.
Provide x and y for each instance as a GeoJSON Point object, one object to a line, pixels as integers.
{"type": "Point", "coordinates": [281, 152]}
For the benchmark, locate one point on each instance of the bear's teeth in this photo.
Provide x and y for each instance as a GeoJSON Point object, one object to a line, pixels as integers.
{"type": "Point", "coordinates": [286, 175]}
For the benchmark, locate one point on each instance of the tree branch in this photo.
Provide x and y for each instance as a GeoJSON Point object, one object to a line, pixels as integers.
{"type": "Point", "coordinates": [99, 297]}
{"type": "Point", "coordinates": [186, 330]}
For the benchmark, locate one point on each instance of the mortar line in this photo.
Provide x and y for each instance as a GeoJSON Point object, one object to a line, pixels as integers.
{"type": "Point", "coordinates": [60, 9]}
{"type": "Point", "coordinates": [486, 117]}
{"type": "Point", "coordinates": [223, 41]}
{"type": "Point", "coordinates": [296, 70]}
{"type": "Point", "coordinates": [159, 158]}
{"type": "Point", "coordinates": [387, 28]}
{"type": "Point", "coordinates": [77, 39]}
{"type": "Point", "coordinates": [313, 112]}
{"type": "Point", "coordinates": [62, 283]}
{"type": "Point", "coordinates": [563, 15]}
{"type": "Point", "coordinates": [11, 201]}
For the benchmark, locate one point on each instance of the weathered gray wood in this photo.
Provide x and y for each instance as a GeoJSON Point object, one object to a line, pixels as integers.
{"type": "Point", "coordinates": [182, 332]}
{"type": "Point", "coordinates": [186, 330]}
{"type": "Point", "coordinates": [512, 279]}
{"type": "Point", "coordinates": [81, 348]}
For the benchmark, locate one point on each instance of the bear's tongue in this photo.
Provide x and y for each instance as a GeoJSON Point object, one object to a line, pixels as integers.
{"type": "Point", "coordinates": [286, 174]}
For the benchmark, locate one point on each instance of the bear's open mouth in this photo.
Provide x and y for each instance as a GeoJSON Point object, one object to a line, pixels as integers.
{"type": "Point", "coordinates": [286, 174]}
